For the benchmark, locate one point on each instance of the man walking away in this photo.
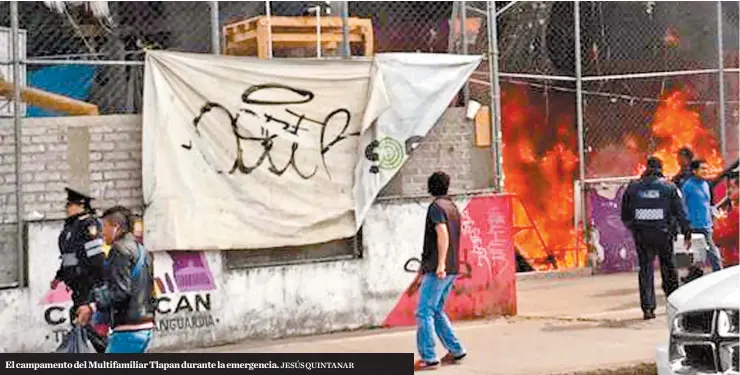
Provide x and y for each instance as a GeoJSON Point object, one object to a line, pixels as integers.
{"type": "Point", "coordinates": [439, 268]}
{"type": "Point", "coordinates": [697, 198]}
{"type": "Point", "coordinates": [649, 206]}
{"type": "Point", "coordinates": [130, 284]}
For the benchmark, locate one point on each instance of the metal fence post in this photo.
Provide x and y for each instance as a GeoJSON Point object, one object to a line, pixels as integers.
{"type": "Point", "coordinates": [463, 22]}
{"type": "Point", "coordinates": [495, 93]}
{"type": "Point", "coordinates": [19, 210]}
{"type": "Point", "coordinates": [346, 50]}
{"type": "Point", "coordinates": [721, 62]}
{"type": "Point", "coordinates": [215, 35]}
{"type": "Point", "coordinates": [452, 38]}
{"type": "Point", "coordinates": [268, 13]}
{"type": "Point", "coordinates": [579, 120]}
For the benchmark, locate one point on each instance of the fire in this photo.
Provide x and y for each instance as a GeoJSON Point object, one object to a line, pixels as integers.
{"type": "Point", "coordinates": [540, 166]}
{"type": "Point", "coordinates": [677, 125]}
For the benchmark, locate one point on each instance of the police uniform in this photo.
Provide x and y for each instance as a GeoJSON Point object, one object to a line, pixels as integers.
{"type": "Point", "coordinates": [81, 253]}
{"type": "Point", "coordinates": [650, 206]}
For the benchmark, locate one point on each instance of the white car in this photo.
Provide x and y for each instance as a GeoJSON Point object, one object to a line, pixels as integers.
{"type": "Point", "coordinates": [703, 324]}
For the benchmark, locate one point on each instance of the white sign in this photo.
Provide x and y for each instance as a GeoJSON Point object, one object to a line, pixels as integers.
{"type": "Point", "coordinates": [242, 153]}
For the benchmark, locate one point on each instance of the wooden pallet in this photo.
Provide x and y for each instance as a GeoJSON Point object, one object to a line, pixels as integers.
{"type": "Point", "coordinates": [251, 37]}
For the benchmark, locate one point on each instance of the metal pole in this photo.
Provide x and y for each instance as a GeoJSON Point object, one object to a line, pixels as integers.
{"type": "Point", "coordinates": [506, 7]}
{"type": "Point", "coordinates": [268, 12]}
{"type": "Point", "coordinates": [82, 62]}
{"type": "Point", "coordinates": [536, 76]}
{"type": "Point", "coordinates": [215, 36]}
{"type": "Point", "coordinates": [495, 93]}
{"type": "Point", "coordinates": [19, 209]}
{"type": "Point", "coordinates": [452, 38]}
{"type": "Point", "coordinates": [463, 23]}
{"type": "Point", "coordinates": [318, 31]}
{"type": "Point", "coordinates": [721, 62]}
{"type": "Point", "coordinates": [649, 75]}
{"type": "Point", "coordinates": [579, 119]}
{"type": "Point", "coordinates": [346, 51]}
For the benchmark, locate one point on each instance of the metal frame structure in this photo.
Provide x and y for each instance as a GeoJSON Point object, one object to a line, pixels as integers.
{"type": "Point", "coordinates": [579, 79]}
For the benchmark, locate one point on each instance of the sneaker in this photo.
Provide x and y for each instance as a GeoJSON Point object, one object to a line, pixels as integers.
{"type": "Point", "coordinates": [422, 365]}
{"type": "Point", "coordinates": [450, 359]}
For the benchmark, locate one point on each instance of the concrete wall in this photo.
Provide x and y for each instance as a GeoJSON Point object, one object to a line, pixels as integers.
{"type": "Point", "coordinates": [104, 152]}
{"type": "Point", "coordinates": [201, 302]}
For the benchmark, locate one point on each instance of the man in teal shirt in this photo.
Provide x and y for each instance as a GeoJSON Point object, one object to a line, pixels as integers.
{"type": "Point", "coordinates": [697, 198]}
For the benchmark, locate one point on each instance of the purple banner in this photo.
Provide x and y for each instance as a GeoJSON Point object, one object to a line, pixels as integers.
{"type": "Point", "coordinates": [614, 245]}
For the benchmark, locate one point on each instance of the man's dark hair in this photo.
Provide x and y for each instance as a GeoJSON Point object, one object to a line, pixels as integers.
{"type": "Point", "coordinates": [654, 167]}
{"type": "Point", "coordinates": [696, 164]}
{"type": "Point", "coordinates": [438, 184]}
{"type": "Point", "coordinates": [654, 164]}
{"type": "Point", "coordinates": [686, 152]}
{"type": "Point", "coordinates": [119, 215]}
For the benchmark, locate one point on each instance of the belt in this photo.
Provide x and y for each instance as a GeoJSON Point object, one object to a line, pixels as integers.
{"type": "Point", "coordinates": [69, 260]}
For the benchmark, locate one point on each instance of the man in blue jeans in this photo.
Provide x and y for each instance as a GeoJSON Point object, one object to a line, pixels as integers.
{"type": "Point", "coordinates": [439, 268]}
{"type": "Point", "coordinates": [697, 198]}
{"type": "Point", "coordinates": [127, 296]}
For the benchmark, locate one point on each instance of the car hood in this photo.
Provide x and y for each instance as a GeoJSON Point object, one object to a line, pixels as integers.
{"type": "Point", "coordinates": [717, 290]}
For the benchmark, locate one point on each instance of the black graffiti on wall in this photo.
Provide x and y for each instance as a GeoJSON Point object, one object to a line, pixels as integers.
{"type": "Point", "coordinates": [293, 122]}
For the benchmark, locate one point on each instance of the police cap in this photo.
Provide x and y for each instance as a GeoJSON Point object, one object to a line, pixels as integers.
{"type": "Point", "coordinates": [77, 195]}
{"type": "Point", "coordinates": [654, 164]}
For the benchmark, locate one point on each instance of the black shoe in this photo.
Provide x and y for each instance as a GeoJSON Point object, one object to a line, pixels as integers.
{"type": "Point", "coordinates": [647, 315]}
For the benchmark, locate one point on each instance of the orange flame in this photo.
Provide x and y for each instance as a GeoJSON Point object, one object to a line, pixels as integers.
{"type": "Point", "coordinates": [540, 166]}
{"type": "Point", "coordinates": [676, 125]}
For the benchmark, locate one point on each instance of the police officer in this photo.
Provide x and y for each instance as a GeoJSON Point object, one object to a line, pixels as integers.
{"type": "Point", "coordinates": [81, 248]}
{"type": "Point", "coordinates": [649, 207]}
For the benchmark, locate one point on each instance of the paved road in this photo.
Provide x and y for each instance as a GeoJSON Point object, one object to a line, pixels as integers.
{"type": "Point", "coordinates": [564, 325]}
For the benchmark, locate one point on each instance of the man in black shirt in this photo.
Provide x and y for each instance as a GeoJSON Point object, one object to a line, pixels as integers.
{"type": "Point", "coordinates": [439, 268]}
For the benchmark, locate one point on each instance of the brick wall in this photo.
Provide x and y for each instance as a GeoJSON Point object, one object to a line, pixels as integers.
{"type": "Point", "coordinates": [449, 148]}
{"type": "Point", "coordinates": [102, 153]}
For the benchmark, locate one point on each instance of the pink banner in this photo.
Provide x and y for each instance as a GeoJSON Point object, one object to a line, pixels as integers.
{"type": "Point", "coordinates": [487, 282]}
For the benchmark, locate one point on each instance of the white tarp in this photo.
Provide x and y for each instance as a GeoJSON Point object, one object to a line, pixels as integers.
{"type": "Point", "coordinates": [409, 93]}
{"type": "Point", "coordinates": [242, 153]}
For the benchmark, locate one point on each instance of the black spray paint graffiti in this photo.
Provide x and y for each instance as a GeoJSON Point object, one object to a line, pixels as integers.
{"type": "Point", "coordinates": [388, 153]}
{"type": "Point", "coordinates": [293, 125]}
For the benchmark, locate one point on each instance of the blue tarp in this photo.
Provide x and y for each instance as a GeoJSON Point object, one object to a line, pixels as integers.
{"type": "Point", "coordinates": [73, 81]}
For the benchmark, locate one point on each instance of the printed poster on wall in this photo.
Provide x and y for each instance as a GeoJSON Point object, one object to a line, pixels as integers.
{"type": "Point", "coordinates": [242, 153]}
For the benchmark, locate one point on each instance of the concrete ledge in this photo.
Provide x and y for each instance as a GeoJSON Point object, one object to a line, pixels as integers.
{"type": "Point", "coordinates": [559, 274]}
